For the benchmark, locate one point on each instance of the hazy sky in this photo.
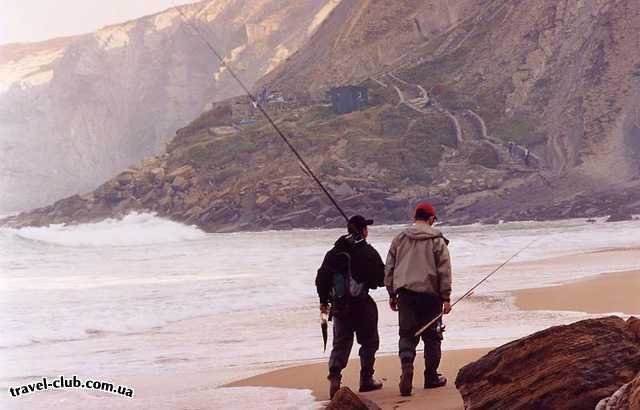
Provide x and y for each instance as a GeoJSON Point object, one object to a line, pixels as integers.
{"type": "Point", "coordinates": [36, 20]}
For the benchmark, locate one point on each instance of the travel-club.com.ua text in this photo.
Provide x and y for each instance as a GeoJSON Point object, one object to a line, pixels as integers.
{"type": "Point", "coordinates": [72, 383]}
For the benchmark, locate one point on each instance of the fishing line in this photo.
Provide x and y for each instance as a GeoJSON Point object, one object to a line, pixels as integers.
{"type": "Point", "coordinates": [224, 64]}
{"type": "Point", "coordinates": [428, 325]}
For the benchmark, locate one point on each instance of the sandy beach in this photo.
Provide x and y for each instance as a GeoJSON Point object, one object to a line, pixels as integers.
{"type": "Point", "coordinates": [604, 293]}
{"type": "Point", "coordinates": [313, 377]}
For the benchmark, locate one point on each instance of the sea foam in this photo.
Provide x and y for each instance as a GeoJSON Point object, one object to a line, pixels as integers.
{"type": "Point", "coordinates": [133, 229]}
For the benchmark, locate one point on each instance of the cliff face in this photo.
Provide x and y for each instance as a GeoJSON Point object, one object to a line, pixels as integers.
{"type": "Point", "coordinates": [363, 37]}
{"type": "Point", "coordinates": [560, 79]}
{"type": "Point", "coordinates": [75, 111]}
{"type": "Point", "coordinates": [494, 110]}
{"type": "Point", "coordinates": [560, 76]}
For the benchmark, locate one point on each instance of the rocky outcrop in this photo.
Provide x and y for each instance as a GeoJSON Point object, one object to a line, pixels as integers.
{"type": "Point", "coordinates": [76, 111]}
{"type": "Point", "coordinates": [620, 215]}
{"type": "Point", "coordinates": [626, 397]}
{"type": "Point", "coordinates": [345, 399]}
{"type": "Point", "coordinates": [573, 366]}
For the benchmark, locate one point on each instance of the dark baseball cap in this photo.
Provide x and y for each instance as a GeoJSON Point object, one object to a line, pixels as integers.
{"type": "Point", "coordinates": [358, 222]}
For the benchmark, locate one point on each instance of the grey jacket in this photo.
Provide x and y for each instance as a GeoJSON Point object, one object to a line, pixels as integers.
{"type": "Point", "coordinates": [418, 260]}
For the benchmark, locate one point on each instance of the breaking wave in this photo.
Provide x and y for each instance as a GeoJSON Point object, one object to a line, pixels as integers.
{"type": "Point", "coordinates": [133, 229]}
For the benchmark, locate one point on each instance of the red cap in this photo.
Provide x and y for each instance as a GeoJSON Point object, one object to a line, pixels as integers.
{"type": "Point", "coordinates": [426, 207]}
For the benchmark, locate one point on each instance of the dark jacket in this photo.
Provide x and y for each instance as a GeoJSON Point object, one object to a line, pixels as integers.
{"type": "Point", "coordinates": [367, 266]}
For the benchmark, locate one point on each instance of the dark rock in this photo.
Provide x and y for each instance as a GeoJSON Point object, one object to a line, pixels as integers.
{"type": "Point", "coordinates": [126, 178]}
{"type": "Point", "coordinates": [185, 171]}
{"type": "Point", "coordinates": [345, 399]}
{"type": "Point", "coordinates": [627, 397]}
{"type": "Point", "coordinates": [180, 183]}
{"type": "Point", "coordinates": [580, 364]}
{"type": "Point", "coordinates": [620, 215]}
{"type": "Point", "coordinates": [633, 323]}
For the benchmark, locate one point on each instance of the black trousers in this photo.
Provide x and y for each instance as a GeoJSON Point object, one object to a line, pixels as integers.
{"type": "Point", "coordinates": [360, 318]}
{"type": "Point", "coordinates": [414, 311]}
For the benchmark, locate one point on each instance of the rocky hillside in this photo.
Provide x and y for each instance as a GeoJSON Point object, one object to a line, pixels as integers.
{"type": "Point", "coordinates": [561, 77]}
{"type": "Point", "coordinates": [362, 37]}
{"type": "Point", "coordinates": [495, 110]}
{"type": "Point", "coordinates": [76, 111]}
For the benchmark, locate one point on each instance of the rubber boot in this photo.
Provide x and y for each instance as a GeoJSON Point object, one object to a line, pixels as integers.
{"type": "Point", "coordinates": [433, 382]}
{"type": "Point", "coordinates": [334, 384]}
{"type": "Point", "coordinates": [369, 384]}
{"type": "Point", "coordinates": [406, 380]}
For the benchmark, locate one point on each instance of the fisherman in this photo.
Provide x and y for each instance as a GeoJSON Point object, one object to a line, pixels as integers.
{"type": "Point", "coordinates": [347, 273]}
{"type": "Point", "coordinates": [418, 279]}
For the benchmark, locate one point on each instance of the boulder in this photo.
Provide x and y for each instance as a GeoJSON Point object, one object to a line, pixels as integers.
{"type": "Point", "coordinates": [158, 174]}
{"type": "Point", "coordinates": [263, 201]}
{"type": "Point", "coordinates": [626, 397]}
{"type": "Point", "coordinates": [180, 183]}
{"type": "Point", "coordinates": [620, 215]}
{"type": "Point", "coordinates": [577, 364]}
{"type": "Point", "coordinates": [345, 399]}
{"type": "Point", "coordinates": [185, 171]}
{"type": "Point", "coordinates": [165, 202]}
{"type": "Point", "coordinates": [192, 197]}
{"type": "Point", "coordinates": [125, 178]}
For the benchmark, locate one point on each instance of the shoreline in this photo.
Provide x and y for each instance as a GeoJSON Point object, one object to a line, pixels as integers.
{"type": "Point", "coordinates": [614, 292]}
{"type": "Point", "coordinates": [609, 292]}
{"type": "Point", "coordinates": [313, 377]}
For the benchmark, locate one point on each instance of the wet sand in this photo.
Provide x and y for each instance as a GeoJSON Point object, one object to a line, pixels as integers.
{"type": "Point", "coordinates": [606, 293]}
{"type": "Point", "coordinates": [313, 377]}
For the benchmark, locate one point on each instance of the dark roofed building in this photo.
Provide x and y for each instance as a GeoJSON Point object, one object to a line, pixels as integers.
{"type": "Point", "coordinates": [348, 98]}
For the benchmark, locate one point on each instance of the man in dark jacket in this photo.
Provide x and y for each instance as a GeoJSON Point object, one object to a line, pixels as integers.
{"type": "Point", "coordinates": [347, 273]}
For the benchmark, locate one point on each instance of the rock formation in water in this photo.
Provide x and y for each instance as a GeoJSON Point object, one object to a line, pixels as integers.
{"type": "Point", "coordinates": [573, 366]}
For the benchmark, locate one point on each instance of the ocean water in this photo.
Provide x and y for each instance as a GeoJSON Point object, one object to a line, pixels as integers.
{"type": "Point", "coordinates": [176, 312]}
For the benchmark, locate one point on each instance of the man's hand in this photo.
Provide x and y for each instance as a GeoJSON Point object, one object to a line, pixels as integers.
{"type": "Point", "coordinates": [446, 308]}
{"type": "Point", "coordinates": [393, 303]}
{"type": "Point", "coordinates": [324, 309]}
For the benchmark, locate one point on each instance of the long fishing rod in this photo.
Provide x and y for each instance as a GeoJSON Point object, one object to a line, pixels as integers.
{"type": "Point", "coordinates": [470, 291]}
{"type": "Point", "coordinates": [224, 64]}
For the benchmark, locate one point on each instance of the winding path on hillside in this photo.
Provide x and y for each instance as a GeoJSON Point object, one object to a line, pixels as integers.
{"type": "Point", "coordinates": [421, 98]}
{"type": "Point", "coordinates": [469, 126]}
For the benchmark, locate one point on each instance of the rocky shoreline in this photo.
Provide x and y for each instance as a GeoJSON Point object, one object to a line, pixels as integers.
{"type": "Point", "coordinates": [593, 363]}
{"type": "Point", "coordinates": [293, 201]}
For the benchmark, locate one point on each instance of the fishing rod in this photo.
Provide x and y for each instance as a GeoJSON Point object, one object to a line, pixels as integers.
{"type": "Point", "coordinates": [255, 103]}
{"type": "Point", "coordinates": [470, 291]}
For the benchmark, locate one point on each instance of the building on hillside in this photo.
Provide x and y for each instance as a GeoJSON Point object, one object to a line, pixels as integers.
{"type": "Point", "coordinates": [348, 98]}
{"type": "Point", "coordinates": [242, 108]}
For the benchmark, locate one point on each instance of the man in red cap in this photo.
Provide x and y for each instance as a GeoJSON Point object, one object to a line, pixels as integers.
{"type": "Point", "coordinates": [418, 278]}
{"type": "Point", "coordinates": [348, 271]}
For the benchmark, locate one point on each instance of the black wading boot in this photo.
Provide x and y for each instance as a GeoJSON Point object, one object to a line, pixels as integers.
{"type": "Point", "coordinates": [334, 385]}
{"type": "Point", "coordinates": [369, 384]}
{"type": "Point", "coordinates": [433, 382]}
{"type": "Point", "coordinates": [406, 380]}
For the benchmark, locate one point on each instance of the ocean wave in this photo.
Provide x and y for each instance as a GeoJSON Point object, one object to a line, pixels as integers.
{"type": "Point", "coordinates": [133, 229]}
